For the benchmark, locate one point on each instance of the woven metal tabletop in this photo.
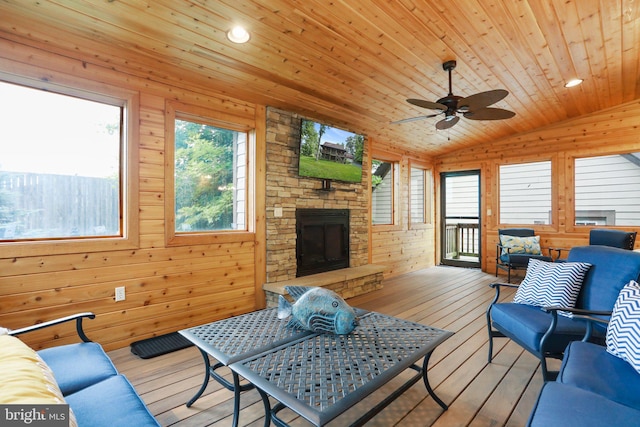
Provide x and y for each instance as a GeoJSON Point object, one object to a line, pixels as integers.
{"type": "Point", "coordinates": [320, 376]}
{"type": "Point", "coordinates": [243, 336]}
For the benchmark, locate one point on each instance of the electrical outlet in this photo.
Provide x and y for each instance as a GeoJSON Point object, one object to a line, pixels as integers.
{"type": "Point", "coordinates": [120, 295]}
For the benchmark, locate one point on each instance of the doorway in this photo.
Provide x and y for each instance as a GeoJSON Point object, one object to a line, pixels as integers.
{"type": "Point", "coordinates": [460, 225]}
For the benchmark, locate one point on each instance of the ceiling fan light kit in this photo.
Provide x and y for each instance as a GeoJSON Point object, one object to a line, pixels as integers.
{"type": "Point", "coordinates": [473, 107]}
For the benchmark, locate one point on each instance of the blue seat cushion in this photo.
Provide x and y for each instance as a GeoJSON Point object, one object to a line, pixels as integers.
{"type": "Point", "coordinates": [111, 402]}
{"type": "Point", "coordinates": [522, 260]}
{"type": "Point", "coordinates": [76, 366]}
{"type": "Point", "coordinates": [565, 405]}
{"type": "Point", "coordinates": [590, 367]}
{"type": "Point", "coordinates": [526, 324]}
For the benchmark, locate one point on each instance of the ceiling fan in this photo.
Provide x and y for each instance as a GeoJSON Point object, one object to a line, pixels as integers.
{"type": "Point", "coordinates": [474, 107]}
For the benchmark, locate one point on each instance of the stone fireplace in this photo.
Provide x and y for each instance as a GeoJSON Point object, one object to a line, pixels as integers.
{"type": "Point", "coordinates": [322, 240]}
{"type": "Point", "coordinates": [287, 193]}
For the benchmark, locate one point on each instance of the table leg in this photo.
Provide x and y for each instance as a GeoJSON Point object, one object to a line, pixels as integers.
{"type": "Point", "coordinates": [428, 386]}
{"type": "Point", "coordinates": [236, 388]}
{"type": "Point", "coordinates": [236, 399]}
{"type": "Point", "coordinates": [268, 415]}
{"type": "Point", "coordinates": [207, 375]}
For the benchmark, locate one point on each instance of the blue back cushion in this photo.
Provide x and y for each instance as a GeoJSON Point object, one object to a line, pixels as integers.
{"type": "Point", "coordinates": [520, 232]}
{"type": "Point", "coordinates": [611, 269]}
{"type": "Point", "coordinates": [614, 238]}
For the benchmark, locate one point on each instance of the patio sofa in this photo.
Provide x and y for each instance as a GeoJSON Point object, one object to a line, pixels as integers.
{"type": "Point", "coordinates": [598, 385]}
{"type": "Point", "coordinates": [80, 375]}
{"type": "Point", "coordinates": [594, 388]}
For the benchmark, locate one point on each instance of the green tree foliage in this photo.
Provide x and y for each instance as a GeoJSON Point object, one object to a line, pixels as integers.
{"type": "Point", "coordinates": [321, 132]}
{"type": "Point", "coordinates": [310, 139]}
{"type": "Point", "coordinates": [355, 146]}
{"type": "Point", "coordinates": [203, 177]}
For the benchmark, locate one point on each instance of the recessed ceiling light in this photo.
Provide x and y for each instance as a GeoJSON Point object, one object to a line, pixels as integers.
{"type": "Point", "coordinates": [238, 35]}
{"type": "Point", "coordinates": [573, 82]}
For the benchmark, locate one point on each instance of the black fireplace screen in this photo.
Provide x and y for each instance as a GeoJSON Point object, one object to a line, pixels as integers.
{"type": "Point", "coordinates": [322, 240]}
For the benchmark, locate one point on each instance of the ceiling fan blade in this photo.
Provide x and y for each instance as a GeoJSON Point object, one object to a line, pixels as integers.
{"type": "Point", "coordinates": [413, 119]}
{"type": "Point", "coordinates": [447, 123]}
{"type": "Point", "coordinates": [489, 114]}
{"type": "Point", "coordinates": [481, 100]}
{"type": "Point", "coordinates": [427, 104]}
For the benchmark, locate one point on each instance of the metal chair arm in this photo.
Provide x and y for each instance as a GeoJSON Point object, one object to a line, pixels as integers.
{"type": "Point", "coordinates": [77, 317]}
{"type": "Point", "coordinates": [587, 315]}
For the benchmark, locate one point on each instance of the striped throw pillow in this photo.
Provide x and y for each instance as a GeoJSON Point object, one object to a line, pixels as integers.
{"type": "Point", "coordinates": [549, 284]}
{"type": "Point", "coordinates": [623, 332]}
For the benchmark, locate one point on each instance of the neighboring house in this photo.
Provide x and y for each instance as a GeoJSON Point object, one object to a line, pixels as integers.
{"type": "Point", "coordinates": [335, 152]}
{"type": "Point", "coordinates": [382, 195]}
{"type": "Point", "coordinates": [607, 191]}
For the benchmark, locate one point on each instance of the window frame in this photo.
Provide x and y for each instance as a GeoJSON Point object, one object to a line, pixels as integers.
{"type": "Point", "coordinates": [554, 165]}
{"type": "Point", "coordinates": [129, 101]}
{"type": "Point", "coordinates": [181, 111]}
{"type": "Point", "coordinates": [427, 179]}
{"type": "Point", "coordinates": [571, 191]}
{"type": "Point", "coordinates": [395, 163]}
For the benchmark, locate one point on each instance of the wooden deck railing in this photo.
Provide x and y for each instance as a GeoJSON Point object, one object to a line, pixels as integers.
{"type": "Point", "coordinates": [461, 239]}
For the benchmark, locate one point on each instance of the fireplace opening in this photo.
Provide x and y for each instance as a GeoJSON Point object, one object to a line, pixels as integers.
{"type": "Point", "coordinates": [322, 242]}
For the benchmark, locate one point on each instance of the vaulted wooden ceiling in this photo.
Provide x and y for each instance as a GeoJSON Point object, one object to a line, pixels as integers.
{"type": "Point", "coordinates": [353, 63]}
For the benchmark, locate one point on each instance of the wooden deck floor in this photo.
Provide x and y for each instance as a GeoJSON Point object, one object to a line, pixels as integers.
{"type": "Point", "coordinates": [478, 394]}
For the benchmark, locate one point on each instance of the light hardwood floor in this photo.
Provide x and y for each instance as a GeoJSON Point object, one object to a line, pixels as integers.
{"type": "Point", "coordinates": [478, 394]}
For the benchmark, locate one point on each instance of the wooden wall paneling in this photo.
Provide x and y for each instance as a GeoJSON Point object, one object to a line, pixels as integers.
{"type": "Point", "coordinates": [611, 131]}
{"type": "Point", "coordinates": [167, 288]}
{"type": "Point", "coordinates": [260, 208]}
{"type": "Point", "coordinates": [135, 274]}
{"type": "Point", "coordinates": [398, 247]}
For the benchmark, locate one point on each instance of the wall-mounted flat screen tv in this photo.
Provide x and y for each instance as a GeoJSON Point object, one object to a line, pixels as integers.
{"type": "Point", "coordinates": [330, 153]}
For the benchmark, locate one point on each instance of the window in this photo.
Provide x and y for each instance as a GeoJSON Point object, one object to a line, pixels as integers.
{"type": "Point", "coordinates": [525, 193]}
{"type": "Point", "coordinates": [383, 191]}
{"type": "Point", "coordinates": [209, 182]}
{"type": "Point", "coordinates": [607, 190]}
{"type": "Point", "coordinates": [210, 177]}
{"type": "Point", "coordinates": [420, 202]}
{"type": "Point", "coordinates": [61, 165]}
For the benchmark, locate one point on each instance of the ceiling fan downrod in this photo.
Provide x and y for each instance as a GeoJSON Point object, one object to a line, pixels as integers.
{"type": "Point", "coordinates": [449, 66]}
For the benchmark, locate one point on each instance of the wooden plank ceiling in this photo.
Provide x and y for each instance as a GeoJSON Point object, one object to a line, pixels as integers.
{"type": "Point", "coordinates": [353, 63]}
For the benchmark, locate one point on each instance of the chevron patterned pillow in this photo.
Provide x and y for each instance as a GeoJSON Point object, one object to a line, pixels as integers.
{"type": "Point", "coordinates": [623, 332]}
{"type": "Point", "coordinates": [549, 284]}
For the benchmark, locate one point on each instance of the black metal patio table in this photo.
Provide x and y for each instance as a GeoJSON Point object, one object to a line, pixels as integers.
{"type": "Point", "coordinates": [319, 376]}
{"type": "Point", "coordinates": [234, 339]}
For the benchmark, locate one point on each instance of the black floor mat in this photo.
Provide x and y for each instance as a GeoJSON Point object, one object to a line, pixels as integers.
{"type": "Point", "coordinates": [156, 346]}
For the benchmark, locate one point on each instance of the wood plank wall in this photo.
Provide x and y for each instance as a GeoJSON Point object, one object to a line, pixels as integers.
{"type": "Point", "coordinates": [168, 288]}
{"type": "Point", "coordinates": [611, 131]}
{"type": "Point", "coordinates": [403, 247]}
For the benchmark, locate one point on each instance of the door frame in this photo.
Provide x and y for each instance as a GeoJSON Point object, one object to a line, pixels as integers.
{"type": "Point", "coordinates": [468, 263]}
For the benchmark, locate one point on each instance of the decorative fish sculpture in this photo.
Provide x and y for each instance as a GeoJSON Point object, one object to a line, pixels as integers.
{"type": "Point", "coordinates": [318, 310]}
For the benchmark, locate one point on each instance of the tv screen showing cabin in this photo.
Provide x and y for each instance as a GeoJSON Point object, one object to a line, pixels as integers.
{"type": "Point", "coordinates": [330, 153]}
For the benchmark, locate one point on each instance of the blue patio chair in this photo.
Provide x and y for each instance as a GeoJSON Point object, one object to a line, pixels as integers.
{"type": "Point", "coordinates": [516, 257]}
{"type": "Point", "coordinates": [545, 334]}
{"type": "Point", "coordinates": [605, 237]}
